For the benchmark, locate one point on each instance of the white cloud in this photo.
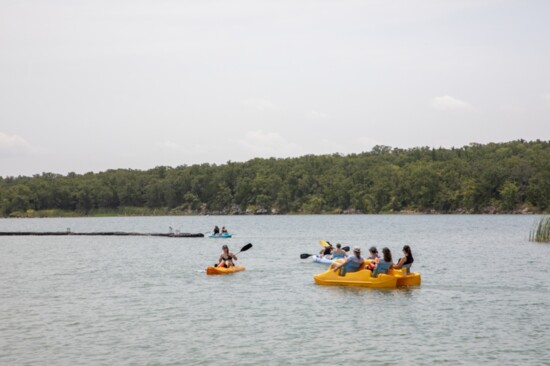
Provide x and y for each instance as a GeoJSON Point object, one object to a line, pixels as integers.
{"type": "Point", "coordinates": [269, 144]}
{"type": "Point", "coordinates": [170, 145]}
{"type": "Point", "coordinates": [14, 145]}
{"type": "Point", "coordinates": [188, 148]}
{"type": "Point", "coordinates": [262, 105]}
{"type": "Point", "coordinates": [546, 98]}
{"type": "Point", "coordinates": [448, 103]}
{"type": "Point", "coordinates": [511, 108]}
{"type": "Point", "coordinates": [316, 115]}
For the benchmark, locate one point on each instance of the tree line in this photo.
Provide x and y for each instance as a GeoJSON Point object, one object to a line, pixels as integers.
{"type": "Point", "coordinates": [495, 177]}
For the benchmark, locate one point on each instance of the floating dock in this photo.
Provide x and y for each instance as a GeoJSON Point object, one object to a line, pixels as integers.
{"type": "Point", "coordinates": [99, 233]}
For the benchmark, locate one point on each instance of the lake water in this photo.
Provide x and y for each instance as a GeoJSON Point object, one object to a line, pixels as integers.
{"type": "Point", "coordinates": [484, 299]}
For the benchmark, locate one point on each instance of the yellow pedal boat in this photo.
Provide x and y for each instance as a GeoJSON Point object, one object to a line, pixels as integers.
{"type": "Point", "coordinates": [405, 278]}
{"type": "Point", "coordinates": [363, 278]}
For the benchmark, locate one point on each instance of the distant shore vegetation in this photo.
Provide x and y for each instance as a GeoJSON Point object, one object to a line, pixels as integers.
{"type": "Point", "coordinates": [511, 177]}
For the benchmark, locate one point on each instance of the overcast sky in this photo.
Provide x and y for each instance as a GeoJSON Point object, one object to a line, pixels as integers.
{"type": "Point", "coordinates": [97, 85]}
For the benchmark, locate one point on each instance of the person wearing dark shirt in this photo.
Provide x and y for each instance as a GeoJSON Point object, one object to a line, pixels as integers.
{"type": "Point", "coordinates": [406, 260]}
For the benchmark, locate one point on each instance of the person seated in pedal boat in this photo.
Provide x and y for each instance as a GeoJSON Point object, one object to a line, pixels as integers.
{"type": "Point", "coordinates": [384, 264]}
{"type": "Point", "coordinates": [352, 264]}
{"type": "Point", "coordinates": [326, 251]}
{"type": "Point", "coordinates": [224, 230]}
{"type": "Point", "coordinates": [406, 260]}
{"type": "Point", "coordinates": [216, 230]}
{"type": "Point", "coordinates": [226, 258]}
{"type": "Point", "coordinates": [339, 252]}
{"type": "Point", "coordinates": [374, 257]}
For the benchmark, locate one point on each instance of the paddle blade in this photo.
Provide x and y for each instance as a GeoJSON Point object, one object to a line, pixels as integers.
{"type": "Point", "coordinates": [324, 243]}
{"type": "Point", "coordinates": [304, 256]}
{"type": "Point", "coordinates": [246, 247]}
{"type": "Point", "coordinates": [345, 249]}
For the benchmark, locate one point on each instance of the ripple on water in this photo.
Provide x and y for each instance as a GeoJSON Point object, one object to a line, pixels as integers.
{"type": "Point", "coordinates": [147, 301]}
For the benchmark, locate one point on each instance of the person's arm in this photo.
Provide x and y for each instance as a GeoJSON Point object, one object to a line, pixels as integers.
{"type": "Point", "coordinates": [339, 264]}
{"type": "Point", "coordinates": [400, 263]}
{"type": "Point", "coordinates": [233, 256]}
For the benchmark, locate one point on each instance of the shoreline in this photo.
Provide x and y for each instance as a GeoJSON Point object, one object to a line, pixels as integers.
{"type": "Point", "coordinates": [168, 212]}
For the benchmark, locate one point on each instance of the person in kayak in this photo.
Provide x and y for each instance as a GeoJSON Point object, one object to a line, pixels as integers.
{"type": "Point", "coordinates": [352, 264]}
{"type": "Point", "coordinates": [216, 230]}
{"type": "Point", "coordinates": [224, 230]}
{"type": "Point", "coordinates": [226, 258]}
{"type": "Point", "coordinates": [374, 257]}
{"type": "Point", "coordinates": [326, 251]}
{"type": "Point", "coordinates": [406, 260]}
{"type": "Point", "coordinates": [339, 252]}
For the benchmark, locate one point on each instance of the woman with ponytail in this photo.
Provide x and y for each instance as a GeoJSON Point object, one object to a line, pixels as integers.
{"type": "Point", "coordinates": [352, 264]}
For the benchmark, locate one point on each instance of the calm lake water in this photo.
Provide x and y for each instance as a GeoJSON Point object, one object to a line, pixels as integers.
{"type": "Point", "coordinates": [484, 298]}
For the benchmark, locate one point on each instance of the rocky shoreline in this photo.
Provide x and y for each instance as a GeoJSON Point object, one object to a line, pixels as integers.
{"type": "Point", "coordinates": [237, 211]}
{"type": "Point", "coordinates": [491, 210]}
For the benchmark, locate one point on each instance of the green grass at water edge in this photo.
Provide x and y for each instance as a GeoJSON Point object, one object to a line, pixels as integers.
{"type": "Point", "coordinates": [541, 231]}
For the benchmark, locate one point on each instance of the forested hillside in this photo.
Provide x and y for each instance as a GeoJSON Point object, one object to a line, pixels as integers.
{"type": "Point", "coordinates": [504, 177]}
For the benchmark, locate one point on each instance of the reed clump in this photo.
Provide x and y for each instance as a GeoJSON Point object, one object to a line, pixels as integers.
{"type": "Point", "coordinates": [541, 231]}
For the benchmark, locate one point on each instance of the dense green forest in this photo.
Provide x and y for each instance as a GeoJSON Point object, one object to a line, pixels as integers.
{"type": "Point", "coordinates": [503, 177]}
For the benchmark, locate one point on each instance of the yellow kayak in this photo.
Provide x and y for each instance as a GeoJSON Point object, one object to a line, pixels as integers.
{"type": "Point", "coordinates": [223, 270]}
{"type": "Point", "coordinates": [363, 278]}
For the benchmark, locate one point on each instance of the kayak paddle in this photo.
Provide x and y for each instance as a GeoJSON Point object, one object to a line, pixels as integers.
{"type": "Point", "coordinates": [245, 248]}
{"type": "Point", "coordinates": [325, 243]}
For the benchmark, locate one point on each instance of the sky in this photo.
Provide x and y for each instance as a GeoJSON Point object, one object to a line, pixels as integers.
{"type": "Point", "coordinates": [87, 86]}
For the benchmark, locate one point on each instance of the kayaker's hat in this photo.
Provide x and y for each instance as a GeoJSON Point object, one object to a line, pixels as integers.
{"type": "Point", "coordinates": [224, 246]}
{"type": "Point", "coordinates": [373, 249]}
{"type": "Point", "coordinates": [357, 250]}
